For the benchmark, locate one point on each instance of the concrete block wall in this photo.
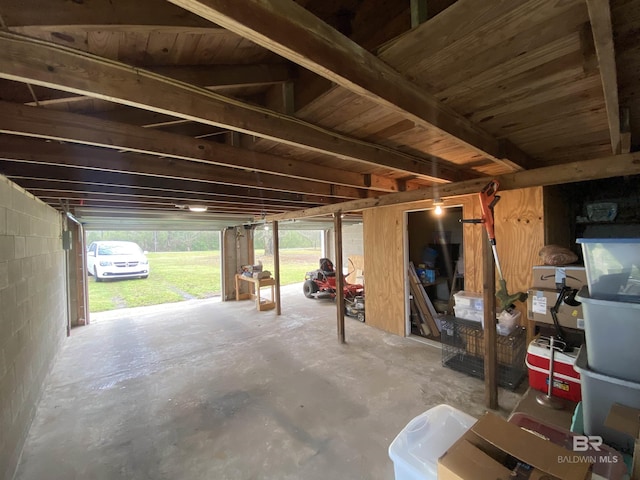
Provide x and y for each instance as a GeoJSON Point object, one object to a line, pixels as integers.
{"type": "Point", "coordinates": [33, 311]}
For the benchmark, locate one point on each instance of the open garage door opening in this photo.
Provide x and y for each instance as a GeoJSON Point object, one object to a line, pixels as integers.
{"type": "Point", "coordinates": [133, 269]}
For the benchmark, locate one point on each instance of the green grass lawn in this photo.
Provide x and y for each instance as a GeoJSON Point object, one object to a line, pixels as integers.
{"type": "Point", "coordinates": [178, 276]}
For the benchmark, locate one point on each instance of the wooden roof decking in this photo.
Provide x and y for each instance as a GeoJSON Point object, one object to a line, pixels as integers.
{"type": "Point", "coordinates": [479, 89]}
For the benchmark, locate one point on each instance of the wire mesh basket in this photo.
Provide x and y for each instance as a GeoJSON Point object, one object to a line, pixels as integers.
{"type": "Point", "coordinates": [463, 351]}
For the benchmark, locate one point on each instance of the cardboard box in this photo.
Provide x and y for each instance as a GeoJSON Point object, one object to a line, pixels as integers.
{"type": "Point", "coordinates": [493, 449]}
{"type": "Point", "coordinates": [539, 303]}
{"type": "Point", "coordinates": [548, 278]}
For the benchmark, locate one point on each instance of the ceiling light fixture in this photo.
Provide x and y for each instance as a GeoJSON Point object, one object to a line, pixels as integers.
{"type": "Point", "coordinates": [438, 204]}
{"type": "Point", "coordinates": [197, 208]}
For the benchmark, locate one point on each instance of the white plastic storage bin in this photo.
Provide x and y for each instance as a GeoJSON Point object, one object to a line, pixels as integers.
{"type": "Point", "coordinates": [469, 300]}
{"type": "Point", "coordinates": [416, 449]}
{"type": "Point", "coordinates": [599, 393]}
{"type": "Point", "coordinates": [469, 314]}
{"type": "Point", "coordinates": [613, 267]}
{"type": "Point", "coordinates": [612, 332]}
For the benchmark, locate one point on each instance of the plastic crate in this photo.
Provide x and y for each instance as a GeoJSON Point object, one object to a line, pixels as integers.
{"type": "Point", "coordinates": [612, 332]}
{"type": "Point", "coordinates": [599, 393]}
{"type": "Point", "coordinates": [463, 351]}
{"type": "Point", "coordinates": [613, 268]}
{"type": "Point", "coordinates": [470, 300]}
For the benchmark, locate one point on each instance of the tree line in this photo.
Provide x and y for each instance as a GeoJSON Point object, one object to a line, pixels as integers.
{"type": "Point", "coordinates": [203, 241]}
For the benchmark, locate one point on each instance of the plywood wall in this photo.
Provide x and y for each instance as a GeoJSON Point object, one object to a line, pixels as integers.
{"type": "Point", "coordinates": [519, 232]}
{"type": "Point", "coordinates": [384, 263]}
{"type": "Point", "coordinates": [519, 236]}
{"type": "Point", "coordinates": [384, 269]}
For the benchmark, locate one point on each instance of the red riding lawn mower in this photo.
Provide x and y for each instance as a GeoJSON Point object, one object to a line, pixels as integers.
{"type": "Point", "coordinates": [321, 283]}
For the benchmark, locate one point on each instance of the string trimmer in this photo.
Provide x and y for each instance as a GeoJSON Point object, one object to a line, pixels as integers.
{"type": "Point", "coordinates": [488, 200]}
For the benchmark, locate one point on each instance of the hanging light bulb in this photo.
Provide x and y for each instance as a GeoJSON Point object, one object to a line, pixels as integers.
{"type": "Point", "coordinates": [438, 204]}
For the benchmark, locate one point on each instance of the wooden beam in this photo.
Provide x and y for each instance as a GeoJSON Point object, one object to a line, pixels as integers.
{"type": "Point", "coordinates": [97, 12]}
{"type": "Point", "coordinates": [49, 153]}
{"type": "Point", "coordinates": [289, 30]}
{"type": "Point", "coordinates": [607, 167]}
{"type": "Point", "coordinates": [419, 12]}
{"type": "Point", "coordinates": [65, 178]}
{"type": "Point", "coordinates": [211, 77]}
{"type": "Point", "coordinates": [34, 61]}
{"type": "Point", "coordinates": [71, 127]}
{"type": "Point", "coordinates": [166, 199]}
{"type": "Point", "coordinates": [100, 199]}
{"type": "Point", "coordinates": [337, 236]}
{"type": "Point", "coordinates": [600, 18]}
{"type": "Point", "coordinates": [276, 267]}
{"type": "Point", "coordinates": [490, 340]}
{"type": "Point", "coordinates": [216, 77]}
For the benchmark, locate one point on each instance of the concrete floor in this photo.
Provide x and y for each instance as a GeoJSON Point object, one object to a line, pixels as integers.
{"type": "Point", "coordinates": [204, 389]}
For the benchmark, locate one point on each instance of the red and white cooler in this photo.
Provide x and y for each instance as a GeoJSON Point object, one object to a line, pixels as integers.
{"type": "Point", "coordinates": [566, 381]}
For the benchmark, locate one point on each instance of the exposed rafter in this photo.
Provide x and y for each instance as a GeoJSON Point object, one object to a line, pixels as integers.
{"type": "Point", "coordinates": [35, 61]}
{"type": "Point", "coordinates": [70, 127]}
{"type": "Point", "coordinates": [214, 77]}
{"type": "Point", "coordinates": [600, 18]}
{"type": "Point", "coordinates": [286, 28]}
{"type": "Point", "coordinates": [38, 152]}
{"type": "Point", "coordinates": [60, 179]}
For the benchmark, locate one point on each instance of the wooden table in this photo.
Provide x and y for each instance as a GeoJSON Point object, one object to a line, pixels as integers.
{"type": "Point", "coordinates": [255, 285]}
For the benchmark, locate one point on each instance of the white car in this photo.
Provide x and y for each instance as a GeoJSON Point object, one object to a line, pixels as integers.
{"type": "Point", "coordinates": [111, 259]}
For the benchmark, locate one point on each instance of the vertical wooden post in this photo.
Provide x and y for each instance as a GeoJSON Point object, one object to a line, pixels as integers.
{"type": "Point", "coordinates": [276, 266]}
{"type": "Point", "coordinates": [418, 12]}
{"type": "Point", "coordinates": [81, 275]}
{"type": "Point", "coordinates": [490, 344]}
{"type": "Point", "coordinates": [337, 231]}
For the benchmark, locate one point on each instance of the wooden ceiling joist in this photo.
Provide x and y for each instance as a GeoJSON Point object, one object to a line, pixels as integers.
{"type": "Point", "coordinates": [607, 167]}
{"type": "Point", "coordinates": [42, 63]}
{"type": "Point", "coordinates": [211, 77]}
{"type": "Point", "coordinates": [38, 152]}
{"type": "Point", "coordinates": [256, 204]}
{"type": "Point", "coordinates": [289, 30]}
{"type": "Point", "coordinates": [136, 205]}
{"type": "Point", "coordinates": [71, 127]}
{"type": "Point", "coordinates": [178, 202]}
{"type": "Point", "coordinates": [57, 179]}
{"type": "Point", "coordinates": [97, 12]}
{"type": "Point", "coordinates": [600, 17]}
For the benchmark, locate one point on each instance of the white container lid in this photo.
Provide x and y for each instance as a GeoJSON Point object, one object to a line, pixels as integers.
{"type": "Point", "coordinates": [427, 437]}
{"type": "Point", "coordinates": [608, 240]}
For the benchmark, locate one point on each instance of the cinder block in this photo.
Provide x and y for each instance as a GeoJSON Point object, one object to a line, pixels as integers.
{"type": "Point", "coordinates": [4, 275]}
{"type": "Point", "coordinates": [5, 191]}
{"type": "Point", "coordinates": [3, 220]}
{"type": "Point", "coordinates": [20, 247]}
{"type": "Point", "coordinates": [7, 248]}
{"type": "Point", "coordinates": [22, 291]}
{"type": "Point", "coordinates": [13, 222]}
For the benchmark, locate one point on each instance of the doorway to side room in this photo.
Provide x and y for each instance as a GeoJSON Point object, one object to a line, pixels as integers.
{"type": "Point", "coordinates": [434, 247]}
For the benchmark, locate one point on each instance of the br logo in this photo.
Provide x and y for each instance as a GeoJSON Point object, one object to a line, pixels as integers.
{"type": "Point", "coordinates": [582, 443]}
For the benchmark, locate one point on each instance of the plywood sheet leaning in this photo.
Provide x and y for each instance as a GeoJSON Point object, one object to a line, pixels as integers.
{"type": "Point", "coordinates": [422, 301]}
{"type": "Point", "coordinates": [420, 321]}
